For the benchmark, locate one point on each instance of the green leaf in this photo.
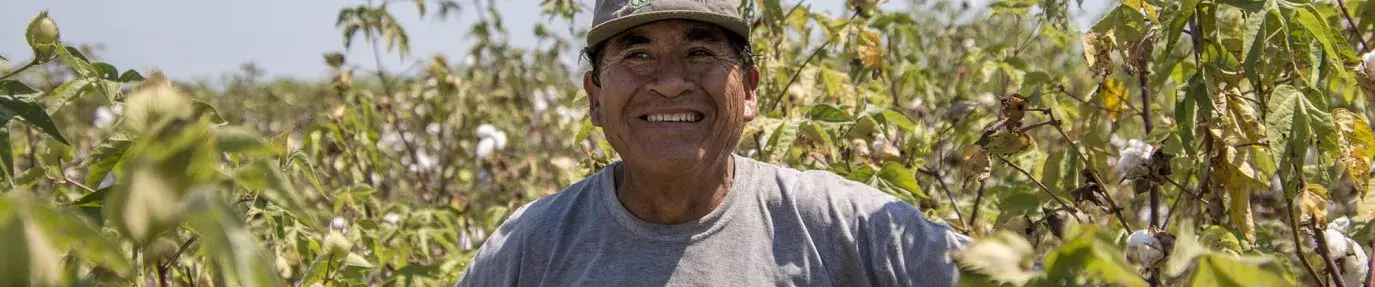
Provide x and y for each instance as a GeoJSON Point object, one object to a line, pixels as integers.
{"type": "Point", "coordinates": [898, 176]}
{"type": "Point", "coordinates": [30, 112]}
{"type": "Point", "coordinates": [225, 241]}
{"type": "Point", "coordinates": [1333, 43]}
{"type": "Point", "coordinates": [204, 109]}
{"type": "Point", "coordinates": [1287, 122]}
{"type": "Point", "coordinates": [828, 113]}
{"type": "Point", "coordinates": [1090, 253]}
{"type": "Point", "coordinates": [781, 140]}
{"type": "Point", "coordinates": [13, 88]}
{"type": "Point", "coordinates": [1223, 270]}
{"type": "Point", "coordinates": [78, 62]}
{"type": "Point", "coordinates": [129, 76]}
{"type": "Point", "coordinates": [94, 198]}
{"type": "Point", "coordinates": [1005, 257]}
{"type": "Point", "coordinates": [899, 119]}
{"type": "Point", "coordinates": [277, 189]}
{"type": "Point", "coordinates": [73, 89]}
{"type": "Point", "coordinates": [303, 163]}
{"type": "Point", "coordinates": [6, 152]}
{"type": "Point", "coordinates": [233, 139]}
{"type": "Point", "coordinates": [69, 232]}
{"type": "Point", "coordinates": [104, 157]}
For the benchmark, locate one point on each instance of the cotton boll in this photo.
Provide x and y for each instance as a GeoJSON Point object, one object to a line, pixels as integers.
{"type": "Point", "coordinates": [500, 138]}
{"type": "Point", "coordinates": [339, 224]}
{"type": "Point", "coordinates": [1365, 72]}
{"type": "Point", "coordinates": [1144, 248]}
{"type": "Point", "coordinates": [485, 148]}
{"type": "Point", "coordinates": [1356, 264]}
{"type": "Point", "coordinates": [1342, 224]}
{"type": "Point", "coordinates": [1336, 243]}
{"type": "Point", "coordinates": [485, 131]}
{"type": "Point", "coordinates": [1131, 161]}
{"type": "Point", "coordinates": [392, 218]}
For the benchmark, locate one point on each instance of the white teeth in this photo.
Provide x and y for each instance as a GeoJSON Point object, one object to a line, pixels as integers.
{"type": "Point", "coordinates": [681, 117]}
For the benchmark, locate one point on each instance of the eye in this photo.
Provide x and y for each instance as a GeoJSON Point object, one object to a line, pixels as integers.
{"type": "Point", "coordinates": [700, 53]}
{"type": "Point", "coordinates": [637, 55]}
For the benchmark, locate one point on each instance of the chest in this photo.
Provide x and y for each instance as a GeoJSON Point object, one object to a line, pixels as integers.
{"type": "Point", "coordinates": [749, 251]}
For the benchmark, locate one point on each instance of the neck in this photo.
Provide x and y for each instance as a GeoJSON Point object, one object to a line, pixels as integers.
{"type": "Point", "coordinates": [674, 198]}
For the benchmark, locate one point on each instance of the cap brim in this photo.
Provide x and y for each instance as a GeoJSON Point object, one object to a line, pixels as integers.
{"type": "Point", "coordinates": [611, 28]}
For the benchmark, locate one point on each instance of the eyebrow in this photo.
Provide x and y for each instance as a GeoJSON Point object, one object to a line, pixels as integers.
{"type": "Point", "coordinates": [632, 38]}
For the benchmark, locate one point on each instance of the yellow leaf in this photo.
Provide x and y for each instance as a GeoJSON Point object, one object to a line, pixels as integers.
{"type": "Point", "coordinates": [1113, 94]}
{"type": "Point", "coordinates": [870, 49]}
{"type": "Point", "coordinates": [1098, 53]}
{"type": "Point", "coordinates": [1313, 204]}
{"type": "Point", "coordinates": [1151, 12]}
{"type": "Point", "coordinates": [1357, 144]}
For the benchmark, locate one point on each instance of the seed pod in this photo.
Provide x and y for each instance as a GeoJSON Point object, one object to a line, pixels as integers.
{"type": "Point", "coordinates": [334, 59]}
{"type": "Point", "coordinates": [43, 36]}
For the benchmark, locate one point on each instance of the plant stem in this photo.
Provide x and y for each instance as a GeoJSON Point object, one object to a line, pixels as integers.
{"type": "Point", "coordinates": [1341, 4]}
{"type": "Point", "coordinates": [1038, 183]}
{"type": "Point", "coordinates": [783, 93]}
{"type": "Point", "coordinates": [1112, 204]}
{"type": "Point", "coordinates": [387, 91]}
{"type": "Point", "coordinates": [978, 198]}
{"type": "Point", "coordinates": [162, 267]}
{"type": "Point", "coordinates": [1326, 256]}
{"type": "Point", "coordinates": [959, 215]}
{"type": "Point", "coordinates": [1298, 248]}
{"type": "Point", "coordinates": [20, 69]}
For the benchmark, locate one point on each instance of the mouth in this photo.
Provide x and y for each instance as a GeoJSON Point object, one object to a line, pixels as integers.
{"type": "Point", "coordinates": [673, 117]}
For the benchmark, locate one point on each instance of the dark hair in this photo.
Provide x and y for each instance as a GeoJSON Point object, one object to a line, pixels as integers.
{"type": "Point", "coordinates": [593, 54]}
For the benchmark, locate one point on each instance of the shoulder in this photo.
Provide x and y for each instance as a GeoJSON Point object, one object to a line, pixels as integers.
{"type": "Point", "coordinates": [824, 191]}
{"type": "Point", "coordinates": [498, 261]}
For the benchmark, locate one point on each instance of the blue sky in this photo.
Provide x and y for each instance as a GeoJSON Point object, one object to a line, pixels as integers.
{"type": "Point", "coordinates": [205, 39]}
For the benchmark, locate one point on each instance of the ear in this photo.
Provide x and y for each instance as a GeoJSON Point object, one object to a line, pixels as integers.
{"type": "Point", "coordinates": [594, 108]}
{"type": "Point", "coordinates": [751, 92]}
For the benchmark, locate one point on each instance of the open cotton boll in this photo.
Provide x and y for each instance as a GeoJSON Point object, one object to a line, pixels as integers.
{"type": "Point", "coordinates": [1144, 248]}
{"type": "Point", "coordinates": [1356, 264]}
{"type": "Point", "coordinates": [485, 131]}
{"type": "Point", "coordinates": [485, 148]}
{"type": "Point", "coordinates": [1131, 161]}
{"type": "Point", "coordinates": [500, 138]}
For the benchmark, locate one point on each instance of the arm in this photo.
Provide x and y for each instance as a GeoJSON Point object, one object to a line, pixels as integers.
{"type": "Point", "coordinates": [915, 251]}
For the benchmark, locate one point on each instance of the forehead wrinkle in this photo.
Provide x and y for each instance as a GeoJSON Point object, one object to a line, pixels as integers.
{"type": "Point", "coordinates": [698, 33]}
{"type": "Point", "coordinates": [630, 39]}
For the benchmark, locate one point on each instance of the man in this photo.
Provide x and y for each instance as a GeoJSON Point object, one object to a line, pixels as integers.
{"type": "Point", "coordinates": [672, 86]}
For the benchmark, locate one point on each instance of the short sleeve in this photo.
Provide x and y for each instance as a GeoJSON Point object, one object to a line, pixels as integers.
{"type": "Point", "coordinates": [918, 252]}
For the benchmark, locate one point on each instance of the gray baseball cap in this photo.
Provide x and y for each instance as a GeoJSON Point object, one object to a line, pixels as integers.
{"type": "Point", "coordinates": [615, 16]}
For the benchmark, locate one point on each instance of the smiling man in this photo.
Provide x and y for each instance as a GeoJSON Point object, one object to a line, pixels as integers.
{"type": "Point", "coordinates": [673, 86]}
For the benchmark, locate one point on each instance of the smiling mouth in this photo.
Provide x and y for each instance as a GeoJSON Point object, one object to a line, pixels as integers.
{"type": "Point", "coordinates": [673, 118]}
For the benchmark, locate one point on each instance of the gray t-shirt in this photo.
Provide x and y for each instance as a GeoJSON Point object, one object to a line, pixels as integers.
{"type": "Point", "coordinates": [777, 226]}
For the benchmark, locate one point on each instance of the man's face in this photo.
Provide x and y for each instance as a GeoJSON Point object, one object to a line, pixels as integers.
{"type": "Point", "coordinates": [673, 95]}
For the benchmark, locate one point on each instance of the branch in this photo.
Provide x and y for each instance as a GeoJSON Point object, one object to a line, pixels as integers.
{"type": "Point", "coordinates": [162, 267]}
{"type": "Point", "coordinates": [20, 69]}
{"type": "Point", "coordinates": [1326, 257]}
{"type": "Point", "coordinates": [1038, 183]}
{"type": "Point", "coordinates": [978, 198]}
{"type": "Point", "coordinates": [958, 214]}
{"type": "Point", "coordinates": [784, 92]}
{"type": "Point", "coordinates": [1354, 29]}
{"type": "Point", "coordinates": [1112, 204]}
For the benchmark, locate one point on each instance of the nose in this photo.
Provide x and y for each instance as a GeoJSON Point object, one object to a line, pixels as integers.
{"type": "Point", "coordinates": [671, 82]}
